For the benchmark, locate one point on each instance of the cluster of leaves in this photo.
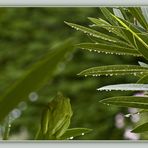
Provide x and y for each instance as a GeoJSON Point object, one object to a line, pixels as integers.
{"type": "Point", "coordinates": [125, 35]}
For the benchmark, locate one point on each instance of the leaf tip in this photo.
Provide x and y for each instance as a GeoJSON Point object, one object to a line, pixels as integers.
{"type": "Point", "coordinates": [67, 23]}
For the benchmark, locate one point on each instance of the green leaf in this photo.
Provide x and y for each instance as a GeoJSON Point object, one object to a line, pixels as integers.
{"type": "Point", "coordinates": [114, 29]}
{"type": "Point", "coordinates": [126, 87]}
{"type": "Point", "coordinates": [140, 41]}
{"type": "Point", "coordinates": [137, 13]}
{"type": "Point", "coordinates": [45, 120]}
{"type": "Point", "coordinates": [109, 49]}
{"type": "Point", "coordinates": [36, 77]}
{"type": "Point", "coordinates": [73, 132]}
{"type": "Point", "coordinates": [142, 64]}
{"type": "Point", "coordinates": [115, 70]}
{"type": "Point", "coordinates": [128, 101]}
{"type": "Point", "coordinates": [108, 16]}
{"type": "Point", "coordinates": [94, 33]}
{"type": "Point", "coordinates": [143, 80]}
{"type": "Point", "coordinates": [140, 129]}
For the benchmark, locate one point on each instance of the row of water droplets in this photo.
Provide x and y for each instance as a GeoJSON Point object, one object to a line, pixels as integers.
{"type": "Point", "coordinates": [108, 52]}
{"type": "Point", "coordinates": [94, 35]}
{"type": "Point", "coordinates": [113, 74]}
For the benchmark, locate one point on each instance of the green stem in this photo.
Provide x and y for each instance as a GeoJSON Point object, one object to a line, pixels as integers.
{"type": "Point", "coordinates": [6, 130]}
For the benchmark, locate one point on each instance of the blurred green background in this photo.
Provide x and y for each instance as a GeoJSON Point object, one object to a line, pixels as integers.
{"type": "Point", "coordinates": [26, 34]}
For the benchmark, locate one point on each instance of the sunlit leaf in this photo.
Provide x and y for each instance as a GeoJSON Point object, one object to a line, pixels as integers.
{"type": "Point", "coordinates": [114, 70]}
{"type": "Point", "coordinates": [126, 87]}
{"type": "Point", "coordinates": [142, 64]}
{"type": "Point", "coordinates": [139, 41]}
{"type": "Point", "coordinates": [137, 13]}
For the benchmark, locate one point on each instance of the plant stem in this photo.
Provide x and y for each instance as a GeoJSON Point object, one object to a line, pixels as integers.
{"type": "Point", "coordinates": [6, 130]}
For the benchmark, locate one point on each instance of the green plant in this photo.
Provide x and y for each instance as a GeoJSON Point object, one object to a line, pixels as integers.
{"type": "Point", "coordinates": [55, 121]}
{"type": "Point", "coordinates": [123, 32]}
{"type": "Point", "coordinates": [57, 114]}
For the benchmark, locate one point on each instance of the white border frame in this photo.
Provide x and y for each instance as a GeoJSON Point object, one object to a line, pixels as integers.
{"type": "Point", "coordinates": [73, 3]}
{"type": "Point", "coordinates": [63, 3]}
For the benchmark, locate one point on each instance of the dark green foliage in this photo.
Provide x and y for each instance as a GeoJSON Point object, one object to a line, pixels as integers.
{"type": "Point", "coordinates": [27, 34]}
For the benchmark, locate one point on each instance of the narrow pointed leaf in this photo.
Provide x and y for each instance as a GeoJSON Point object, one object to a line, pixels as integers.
{"type": "Point", "coordinates": [141, 128]}
{"type": "Point", "coordinates": [139, 41]}
{"type": "Point", "coordinates": [137, 13]}
{"type": "Point", "coordinates": [126, 87]}
{"type": "Point", "coordinates": [94, 33]}
{"type": "Point", "coordinates": [114, 70]}
{"type": "Point", "coordinates": [118, 13]}
{"type": "Point", "coordinates": [128, 101]}
{"type": "Point", "coordinates": [142, 64]}
{"type": "Point", "coordinates": [108, 16]}
{"type": "Point", "coordinates": [145, 12]}
{"type": "Point", "coordinates": [35, 78]}
{"type": "Point", "coordinates": [109, 49]}
{"type": "Point", "coordinates": [114, 29]}
{"type": "Point", "coordinates": [73, 132]}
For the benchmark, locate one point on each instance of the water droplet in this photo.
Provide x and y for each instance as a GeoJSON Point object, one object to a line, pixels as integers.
{"type": "Point", "coordinates": [127, 115]}
{"type": "Point", "coordinates": [93, 75]}
{"type": "Point", "coordinates": [9, 125]}
{"type": "Point", "coordinates": [135, 74]}
{"type": "Point", "coordinates": [85, 75]}
{"type": "Point", "coordinates": [33, 96]}
{"type": "Point", "coordinates": [82, 134]}
{"type": "Point", "coordinates": [71, 137]}
{"type": "Point", "coordinates": [16, 113]}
